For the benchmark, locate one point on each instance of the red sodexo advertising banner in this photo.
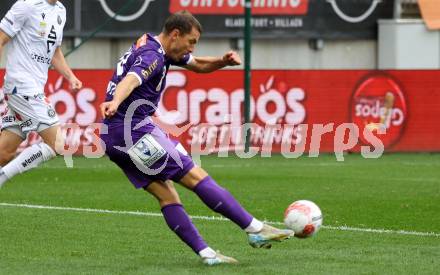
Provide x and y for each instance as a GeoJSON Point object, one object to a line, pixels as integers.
{"type": "Point", "coordinates": [318, 109]}
{"type": "Point", "coordinates": [236, 7]}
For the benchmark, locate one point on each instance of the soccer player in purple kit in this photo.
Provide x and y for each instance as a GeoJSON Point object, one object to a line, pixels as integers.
{"type": "Point", "coordinates": [148, 157]}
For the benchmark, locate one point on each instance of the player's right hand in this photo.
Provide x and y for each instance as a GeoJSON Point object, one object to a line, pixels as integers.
{"type": "Point", "coordinates": [109, 108]}
{"type": "Point", "coordinates": [232, 58]}
{"type": "Point", "coordinates": [75, 84]}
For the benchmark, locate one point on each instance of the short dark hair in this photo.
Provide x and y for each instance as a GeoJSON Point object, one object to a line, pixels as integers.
{"type": "Point", "coordinates": [184, 21]}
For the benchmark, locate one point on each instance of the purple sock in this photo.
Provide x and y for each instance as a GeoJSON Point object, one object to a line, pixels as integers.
{"type": "Point", "coordinates": [221, 201]}
{"type": "Point", "coordinates": [179, 222]}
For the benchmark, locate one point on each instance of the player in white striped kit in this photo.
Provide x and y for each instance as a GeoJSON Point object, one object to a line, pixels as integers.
{"type": "Point", "coordinates": [32, 31]}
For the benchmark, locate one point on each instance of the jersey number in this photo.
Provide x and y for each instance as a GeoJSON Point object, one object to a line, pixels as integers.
{"type": "Point", "coordinates": [51, 38]}
{"type": "Point", "coordinates": [121, 63]}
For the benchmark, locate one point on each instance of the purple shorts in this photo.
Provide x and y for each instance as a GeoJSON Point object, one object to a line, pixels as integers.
{"type": "Point", "coordinates": [170, 164]}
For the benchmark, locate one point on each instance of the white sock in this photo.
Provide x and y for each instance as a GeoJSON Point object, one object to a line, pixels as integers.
{"type": "Point", "coordinates": [30, 158]}
{"type": "Point", "coordinates": [207, 253]}
{"type": "Point", "coordinates": [254, 227]}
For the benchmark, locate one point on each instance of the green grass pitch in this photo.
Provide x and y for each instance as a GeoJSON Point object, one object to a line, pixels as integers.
{"type": "Point", "coordinates": [398, 192]}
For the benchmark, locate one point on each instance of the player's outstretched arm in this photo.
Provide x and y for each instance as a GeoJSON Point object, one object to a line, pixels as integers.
{"type": "Point", "coordinates": [4, 39]}
{"type": "Point", "coordinates": [60, 64]}
{"type": "Point", "coordinates": [209, 64]}
{"type": "Point", "coordinates": [123, 90]}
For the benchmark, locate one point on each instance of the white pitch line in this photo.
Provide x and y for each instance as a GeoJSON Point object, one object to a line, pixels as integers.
{"type": "Point", "coordinates": [212, 218]}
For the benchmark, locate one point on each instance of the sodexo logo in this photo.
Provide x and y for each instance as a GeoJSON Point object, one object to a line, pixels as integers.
{"type": "Point", "coordinates": [379, 105]}
{"type": "Point", "coordinates": [353, 19]}
{"type": "Point", "coordinates": [125, 18]}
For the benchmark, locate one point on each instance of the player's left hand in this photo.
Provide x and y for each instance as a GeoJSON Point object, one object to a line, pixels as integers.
{"type": "Point", "coordinates": [232, 58]}
{"type": "Point", "coordinates": [75, 84]}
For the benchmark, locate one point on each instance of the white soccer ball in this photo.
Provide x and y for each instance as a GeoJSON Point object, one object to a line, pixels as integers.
{"type": "Point", "coordinates": [303, 217]}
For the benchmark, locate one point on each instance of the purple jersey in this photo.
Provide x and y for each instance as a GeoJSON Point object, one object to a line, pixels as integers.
{"type": "Point", "coordinates": [146, 60]}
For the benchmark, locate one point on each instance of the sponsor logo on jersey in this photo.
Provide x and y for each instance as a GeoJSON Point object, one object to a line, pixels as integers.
{"type": "Point", "coordinates": [59, 20]}
{"type": "Point", "coordinates": [379, 103]}
{"type": "Point", "coordinates": [148, 71]}
{"type": "Point", "coordinates": [40, 59]}
{"type": "Point", "coordinates": [29, 161]}
{"type": "Point", "coordinates": [8, 119]}
{"type": "Point", "coordinates": [42, 31]}
{"type": "Point", "coordinates": [27, 123]}
{"type": "Point", "coordinates": [51, 112]}
{"type": "Point", "coordinates": [43, 15]}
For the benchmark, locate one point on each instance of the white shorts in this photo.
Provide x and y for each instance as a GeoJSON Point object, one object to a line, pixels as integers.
{"type": "Point", "coordinates": [24, 114]}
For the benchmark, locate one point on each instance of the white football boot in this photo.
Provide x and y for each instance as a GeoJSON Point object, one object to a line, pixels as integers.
{"type": "Point", "coordinates": [268, 235]}
{"type": "Point", "coordinates": [219, 259]}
